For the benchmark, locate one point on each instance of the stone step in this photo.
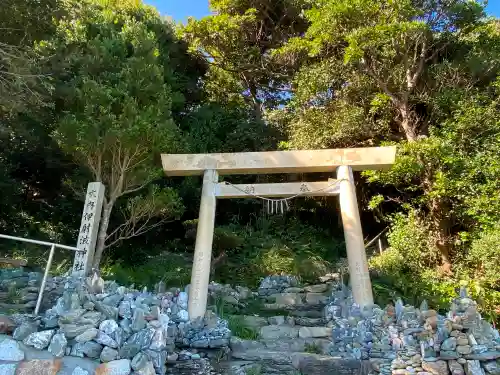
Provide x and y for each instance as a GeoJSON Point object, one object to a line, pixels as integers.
{"type": "Point", "coordinates": [283, 362]}
{"type": "Point", "coordinates": [315, 345]}
{"type": "Point", "coordinates": [279, 331]}
{"type": "Point", "coordinates": [256, 322]}
{"type": "Point", "coordinates": [314, 364]}
{"type": "Point", "coordinates": [302, 310]}
{"type": "Point", "coordinates": [294, 299]}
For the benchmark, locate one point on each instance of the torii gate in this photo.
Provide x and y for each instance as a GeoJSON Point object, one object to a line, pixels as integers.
{"type": "Point", "coordinates": [213, 165]}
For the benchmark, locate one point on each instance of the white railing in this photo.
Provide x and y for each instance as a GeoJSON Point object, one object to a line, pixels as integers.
{"type": "Point", "coordinates": [49, 261]}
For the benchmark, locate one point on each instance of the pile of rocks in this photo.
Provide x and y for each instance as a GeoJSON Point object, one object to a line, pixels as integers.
{"type": "Point", "coordinates": [277, 284]}
{"type": "Point", "coordinates": [404, 340]}
{"type": "Point", "coordinates": [19, 289]}
{"type": "Point", "coordinates": [125, 327]}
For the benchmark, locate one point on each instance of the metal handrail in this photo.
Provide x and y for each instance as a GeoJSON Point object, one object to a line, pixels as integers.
{"type": "Point", "coordinates": [49, 261]}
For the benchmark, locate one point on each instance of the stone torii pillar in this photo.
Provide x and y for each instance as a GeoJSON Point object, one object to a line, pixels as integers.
{"type": "Point", "coordinates": [200, 275]}
{"type": "Point", "coordinates": [342, 160]}
{"type": "Point", "coordinates": [353, 234]}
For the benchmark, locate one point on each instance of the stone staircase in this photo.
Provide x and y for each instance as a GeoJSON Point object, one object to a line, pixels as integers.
{"type": "Point", "coordinates": [293, 342]}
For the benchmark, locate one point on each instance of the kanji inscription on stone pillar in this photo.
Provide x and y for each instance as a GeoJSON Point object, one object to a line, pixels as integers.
{"type": "Point", "coordinates": [89, 228]}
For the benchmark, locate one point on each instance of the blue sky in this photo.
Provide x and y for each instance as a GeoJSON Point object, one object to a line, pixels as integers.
{"type": "Point", "coordinates": [180, 10]}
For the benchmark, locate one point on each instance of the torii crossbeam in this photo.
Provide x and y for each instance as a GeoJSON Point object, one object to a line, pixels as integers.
{"type": "Point", "coordinates": [344, 161]}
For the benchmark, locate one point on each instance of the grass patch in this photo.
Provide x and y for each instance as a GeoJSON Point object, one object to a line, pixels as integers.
{"type": "Point", "coordinates": [173, 269]}
{"type": "Point", "coordinates": [236, 323]}
{"type": "Point", "coordinates": [313, 348]}
{"type": "Point", "coordinates": [239, 328]}
{"type": "Point", "coordinates": [13, 296]}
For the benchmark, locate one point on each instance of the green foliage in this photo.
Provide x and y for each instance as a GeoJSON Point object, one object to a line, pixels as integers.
{"type": "Point", "coordinates": [405, 269]}
{"type": "Point", "coordinates": [313, 348]}
{"type": "Point", "coordinates": [239, 328]}
{"type": "Point", "coordinates": [254, 370]}
{"type": "Point", "coordinates": [279, 246]}
{"type": "Point", "coordinates": [173, 269]}
{"type": "Point", "coordinates": [482, 259]}
{"type": "Point", "coordinates": [238, 41]}
{"type": "Point", "coordinates": [13, 295]}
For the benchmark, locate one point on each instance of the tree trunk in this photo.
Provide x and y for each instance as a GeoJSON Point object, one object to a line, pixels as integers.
{"type": "Point", "coordinates": [257, 105]}
{"type": "Point", "coordinates": [407, 124]}
{"type": "Point", "coordinates": [441, 226]}
{"type": "Point", "coordinates": [103, 231]}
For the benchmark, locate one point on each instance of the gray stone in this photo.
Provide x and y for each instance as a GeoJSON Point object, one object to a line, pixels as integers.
{"type": "Point", "coordinates": [448, 355]}
{"type": "Point", "coordinates": [125, 309]}
{"type": "Point", "coordinates": [79, 371]}
{"type": "Point", "coordinates": [108, 326]}
{"type": "Point", "coordinates": [58, 345]}
{"type": "Point", "coordinates": [473, 367]}
{"type": "Point", "coordinates": [92, 318]}
{"type": "Point", "coordinates": [105, 340]}
{"type": "Point", "coordinates": [95, 284]}
{"type": "Point", "coordinates": [201, 343]}
{"type": "Point", "coordinates": [159, 341]}
{"type": "Point", "coordinates": [276, 332]}
{"type": "Point", "coordinates": [435, 367]}
{"type": "Point", "coordinates": [218, 343]}
{"type": "Point", "coordinates": [155, 312]}
{"type": "Point", "coordinates": [456, 368]}
{"type": "Point", "coordinates": [308, 332]}
{"type": "Point", "coordinates": [88, 335]}
{"type": "Point", "coordinates": [159, 359]}
{"type": "Point", "coordinates": [316, 299]}
{"type": "Point", "coordinates": [71, 316]}
{"type": "Point", "coordinates": [464, 349]}
{"type": "Point", "coordinates": [120, 336]}
{"type": "Point", "coordinates": [139, 361]}
{"type": "Point", "coordinates": [39, 340]}
{"type": "Point", "coordinates": [108, 354]}
{"type": "Point", "coordinates": [8, 369]}
{"type": "Point", "coordinates": [110, 312]}
{"type": "Point", "coordinates": [313, 364]}
{"type": "Point", "coordinates": [148, 369]}
{"type": "Point", "coordinates": [125, 326]}
{"type": "Point", "coordinates": [287, 299]}
{"type": "Point", "coordinates": [486, 356]}
{"type": "Point", "coordinates": [137, 342]}
{"type": "Point", "coordinates": [24, 330]}
{"type": "Point", "coordinates": [479, 348]}
{"type": "Point", "coordinates": [89, 305]}
{"type": "Point", "coordinates": [118, 367]}
{"type": "Point", "coordinates": [138, 321]}
{"type": "Point", "coordinates": [113, 300]}
{"type": "Point", "coordinates": [172, 358]}
{"type": "Point", "coordinates": [309, 322]}
{"type": "Point", "coordinates": [77, 350]}
{"type": "Point", "coordinates": [73, 330]}
{"type": "Point", "coordinates": [92, 349]}
{"type": "Point", "coordinates": [449, 344]}
{"type": "Point", "coordinates": [492, 367]}
{"type": "Point", "coordinates": [276, 320]}
{"type": "Point", "coordinates": [319, 288]}
{"type": "Point", "coordinates": [10, 350]}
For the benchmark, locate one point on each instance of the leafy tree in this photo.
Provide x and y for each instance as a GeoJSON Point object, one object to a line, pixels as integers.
{"type": "Point", "coordinates": [116, 114]}
{"type": "Point", "coordinates": [237, 42]}
{"type": "Point", "coordinates": [23, 24]}
{"type": "Point", "coordinates": [387, 70]}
